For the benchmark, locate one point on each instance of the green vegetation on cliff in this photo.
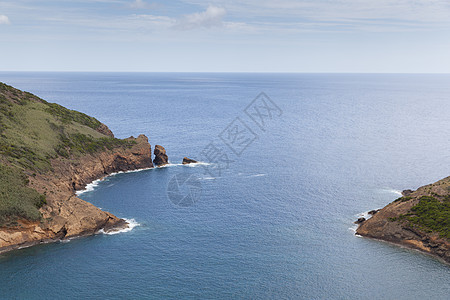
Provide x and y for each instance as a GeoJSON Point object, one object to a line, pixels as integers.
{"type": "Point", "coordinates": [81, 143]}
{"type": "Point", "coordinates": [16, 199]}
{"type": "Point", "coordinates": [429, 215]}
{"type": "Point", "coordinates": [32, 133]}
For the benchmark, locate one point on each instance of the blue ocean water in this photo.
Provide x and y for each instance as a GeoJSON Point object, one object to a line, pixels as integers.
{"type": "Point", "coordinates": [277, 222]}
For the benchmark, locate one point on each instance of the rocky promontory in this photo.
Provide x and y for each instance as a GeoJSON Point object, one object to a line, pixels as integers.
{"type": "Point", "coordinates": [47, 153]}
{"type": "Point", "coordinates": [65, 215]}
{"type": "Point", "coordinates": [419, 220]}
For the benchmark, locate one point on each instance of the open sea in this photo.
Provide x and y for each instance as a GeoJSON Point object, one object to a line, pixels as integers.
{"type": "Point", "coordinates": [269, 215]}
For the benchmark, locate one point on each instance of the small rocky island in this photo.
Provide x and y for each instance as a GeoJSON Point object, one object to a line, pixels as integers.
{"type": "Point", "coordinates": [419, 219]}
{"type": "Point", "coordinates": [47, 153]}
{"type": "Point", "coordinates": [187, 161]}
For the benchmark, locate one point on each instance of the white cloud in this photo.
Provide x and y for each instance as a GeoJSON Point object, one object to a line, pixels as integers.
{"type": "Point", "coordinates": [141, 4]}
{"type": "Point", "coordinates": [211, 17]}
{"type": "Point", "coordinates": [381, 14]}
{"type": "Point", "coordinates": [4, 20]}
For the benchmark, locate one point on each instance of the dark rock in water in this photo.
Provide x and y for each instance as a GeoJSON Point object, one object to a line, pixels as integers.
{"type": "Point", "coordinates": [188, 161]}
{"type": "Point", "coordinates": [407, 192]}
{"type": "Point", "coordinates": [360, 220]}
{"type": "Point", "coordinates": [161, 158]}
{"type": "Point", "coordinates": [372, 212]}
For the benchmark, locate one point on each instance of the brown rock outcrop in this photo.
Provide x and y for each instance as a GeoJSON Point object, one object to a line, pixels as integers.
{"type": "Point", "coordinates": [161, 158]}
{"type": "Point", "coordinates": [105, 130]}
{"type": "Point", "coordinates": [187, 161]}
{"type": "Point", "coordinates": [65, 215]}
{"type": "Point", "coordinates": [360, 220]}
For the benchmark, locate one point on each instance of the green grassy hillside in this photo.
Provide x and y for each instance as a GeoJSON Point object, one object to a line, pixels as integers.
{"type": "Point", "coordinates": [32, 132]}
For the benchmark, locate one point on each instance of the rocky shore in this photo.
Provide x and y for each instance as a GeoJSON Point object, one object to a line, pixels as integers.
{"type": "Point", "coordinates": [418, 220]}
{"type": "Point", "coordinates": [65, 215]}
{"type": "Point", "coordinates": [47, 154]}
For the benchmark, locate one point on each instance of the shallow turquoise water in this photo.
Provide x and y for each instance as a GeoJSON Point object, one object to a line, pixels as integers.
{"type": "Point", "coordinates": [276, 223]}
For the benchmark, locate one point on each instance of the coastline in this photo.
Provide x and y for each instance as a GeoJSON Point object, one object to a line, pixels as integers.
{"type": "Point", "coordinates": [396, 223]}
{"type": "Point", "coordinates": [121, 225]}
{"type": "Point", "coordinates": [90, 186]}
{"type": "Point", "coordinates": [66, 216]}
{"type": "Point", "coordinates": [408, 247]}
{"type": "Point", "coordinates": [396, 244]}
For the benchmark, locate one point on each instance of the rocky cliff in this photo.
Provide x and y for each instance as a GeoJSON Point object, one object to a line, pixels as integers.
{"type": "Point", "coordinates": [65, 215]}
{"type": "Point", "coordinates": [47, 152]}
{"type": "Point", "coordinates": [161, 158]}
{"type": "Point", "coordinates": [420, 220]}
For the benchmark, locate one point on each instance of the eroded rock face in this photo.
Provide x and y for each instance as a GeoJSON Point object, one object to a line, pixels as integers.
{"type": "Point", "coordinates": [187, 161]}
{"type": "Point", "coordinates": [105, 130]}
{"type": "Point", "coordinates": [161, 158]}
{"type": "Point", "coordinates": [66, 215]}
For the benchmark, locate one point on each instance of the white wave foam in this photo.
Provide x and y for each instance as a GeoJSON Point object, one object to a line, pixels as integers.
{"type": "Point", "coordinates": [394, 191]}
{"type": "Point", "coordinates": [191, 165]}
{"type": "Point", "coordinates": [364, 215]}
{"type": "Point", "coordinates": [197, 164]}
{"type": "Point", "coordinates": [91, 186]}
{"type": "Point", "coordinates": [257, 175]}
{"type": "Point", "coordinates": [130, 171]}
{"type": "Point", "coordinates": [353, 228]}
{"type": "Point", "coordinates": [169, 165]}
{"type": "Point", "coordinates": [131, 225]}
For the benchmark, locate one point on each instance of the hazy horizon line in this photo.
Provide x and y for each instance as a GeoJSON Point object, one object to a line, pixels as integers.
{"type": "Point", "coordinates": [223, 72]}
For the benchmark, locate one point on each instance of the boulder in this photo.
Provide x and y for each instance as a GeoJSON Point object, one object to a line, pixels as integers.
{"type": "Point", "coordinates": [406, 193]}
{"type": "Point", "coordinates": [360, 220]}
{"type": "Point", "coordinates": [187, 161]}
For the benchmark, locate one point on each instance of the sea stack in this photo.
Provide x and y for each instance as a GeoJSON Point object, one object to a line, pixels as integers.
{"type": "Point", "coordinates": [187, 161]}
{"type": "Point", "coordinates": [161, 158]}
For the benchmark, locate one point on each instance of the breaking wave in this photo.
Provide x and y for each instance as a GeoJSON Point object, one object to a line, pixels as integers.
{"type": "Point", "coordinates": [131, 225]}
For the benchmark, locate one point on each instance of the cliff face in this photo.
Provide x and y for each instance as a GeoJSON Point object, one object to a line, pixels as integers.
{"type": "Point", "coordinates": [47, 152]}
{"type": "Point", "coordinates": [418, 220]}
{"type": "Point", "coordinates": [65, 215]}
{"type": "Point", "coordinates": [161, 158]}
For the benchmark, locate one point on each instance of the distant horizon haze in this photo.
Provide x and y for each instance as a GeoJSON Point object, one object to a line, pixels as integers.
{"type": "Point", "coordinates": [286, 36]}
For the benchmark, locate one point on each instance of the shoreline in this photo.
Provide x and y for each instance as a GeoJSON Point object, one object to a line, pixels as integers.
{"type": "Point", "coordinates": [393, 243]}
{"type": "Point", "coordinates": [122, 224]}
{"type": "Point", "coordinates": [405, 246]}
{"type": "Point", "coordinates": [401, 222]}
{"type": "Point", "coordinates": [95, 182]}
{"type": "Point", "coordinates": [65, 216]}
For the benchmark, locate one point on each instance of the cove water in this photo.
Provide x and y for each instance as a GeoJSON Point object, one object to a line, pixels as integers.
{"type": "Point", "coordinates": [277, 223]}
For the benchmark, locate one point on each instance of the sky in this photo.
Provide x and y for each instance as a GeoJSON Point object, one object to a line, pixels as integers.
{"type": "Point", "coordinates": [357, 36]}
